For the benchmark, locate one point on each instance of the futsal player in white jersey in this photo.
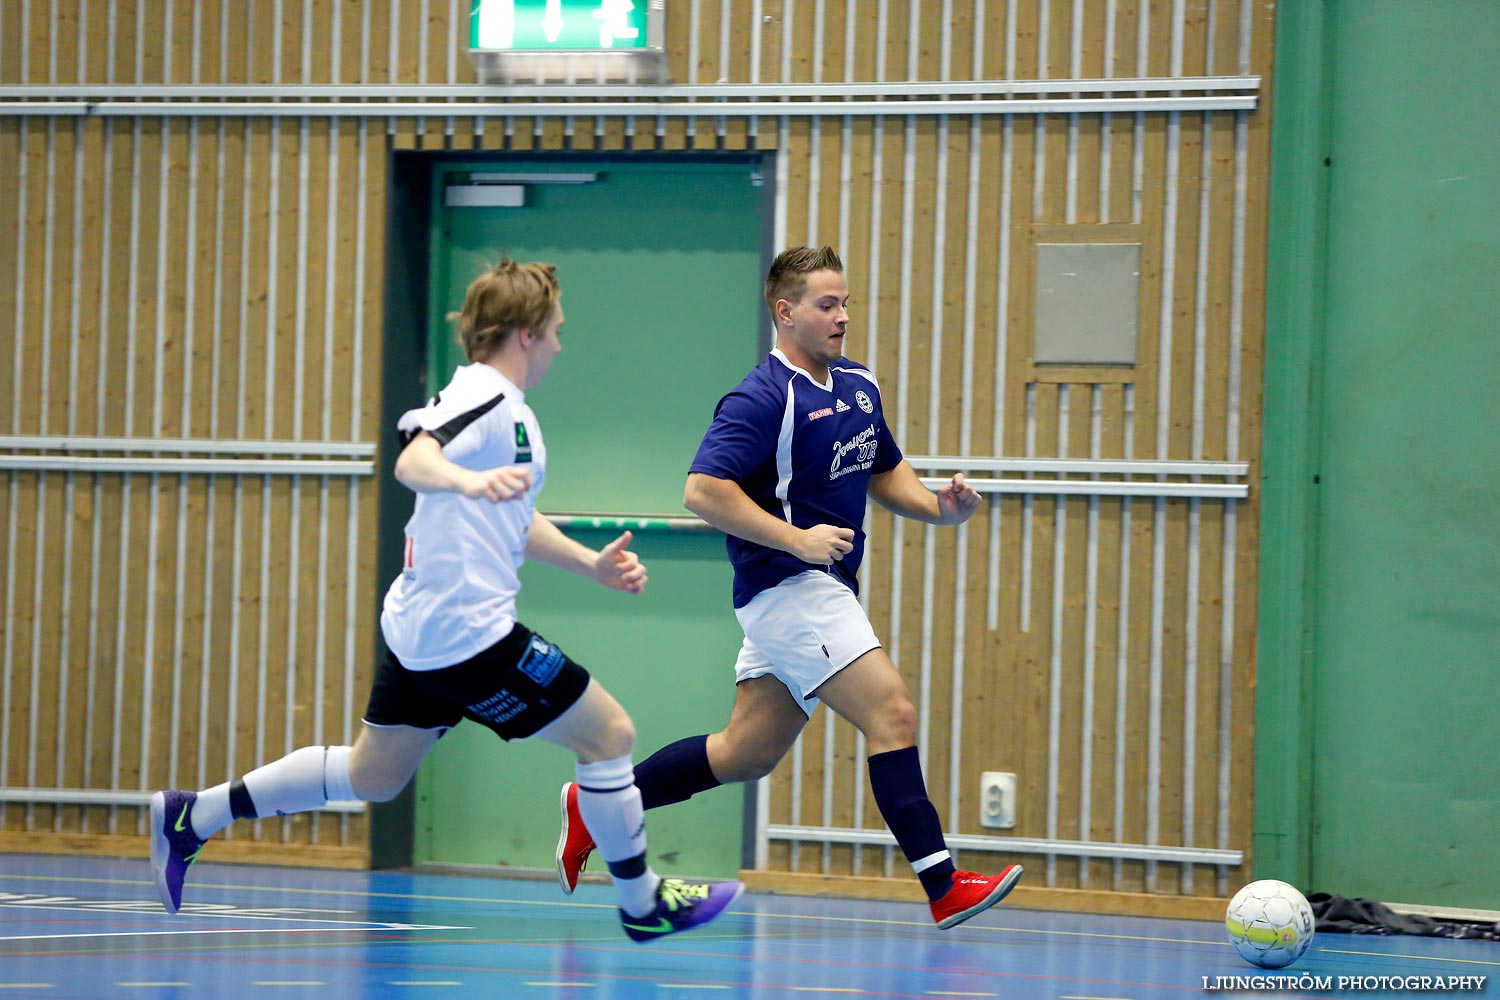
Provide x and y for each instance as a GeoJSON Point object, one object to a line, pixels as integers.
{"type": "Point", "coordinates": [476, 459]}
{"type": "Point", "coordinates": [785, 470]}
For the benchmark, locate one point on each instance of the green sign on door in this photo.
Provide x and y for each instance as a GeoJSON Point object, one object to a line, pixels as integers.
{"type": "Point", "coordinates": [572, 25]}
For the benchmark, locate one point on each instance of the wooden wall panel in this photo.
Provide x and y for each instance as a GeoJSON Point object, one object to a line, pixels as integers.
{"type": "Point", "coordinates": [218, 278]}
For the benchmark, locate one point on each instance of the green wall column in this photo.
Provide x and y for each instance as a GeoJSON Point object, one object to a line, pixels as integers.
{"type": "Point", "coordinates": [1300, 145]}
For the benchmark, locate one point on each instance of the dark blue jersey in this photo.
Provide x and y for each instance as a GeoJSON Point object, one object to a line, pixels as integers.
{"type": "Point", "coordinates": [804, 451]}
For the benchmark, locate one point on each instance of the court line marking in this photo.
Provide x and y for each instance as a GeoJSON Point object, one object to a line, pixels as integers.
{"type": "Point", "coordinates": [290, 982]}
{"type": "Point", "coordinates": [781, 916]}
{"type": "Point", "coordinates": [153, 984]}
{"type": "Point", "coordinates": [206, 931]}
{"type": "Point", "coordinates": [424, 982]}
{"type": "Point", "coordinates": [885, 922]}
{"type": "Point", "coordinates": [1380, 954]}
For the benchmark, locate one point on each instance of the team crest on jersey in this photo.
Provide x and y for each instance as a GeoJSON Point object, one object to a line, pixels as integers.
{"type": "Point", "coordinates": [824, 412]}
{"type": "Point", "coordinates": [864, 401]}
{"type": "Point", "coordinates": [523, 443]}
{"type": "Point", "coordinates": [841, 406]}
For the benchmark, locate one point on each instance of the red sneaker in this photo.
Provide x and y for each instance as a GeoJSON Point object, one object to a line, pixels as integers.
{"type": "Point", "coordinates": [971, 894]}
{"type": "Point", "coordinates": [575, 844]}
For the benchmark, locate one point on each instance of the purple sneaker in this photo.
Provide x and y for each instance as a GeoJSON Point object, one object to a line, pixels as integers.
{"type": "Point", "coordinates": [681, 906]}
{"type": "Point", "coordinates": [174, 845]}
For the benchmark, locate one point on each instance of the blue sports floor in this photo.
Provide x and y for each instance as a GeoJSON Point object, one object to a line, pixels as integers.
{"type": "Point", "coordinates": [91, 928]}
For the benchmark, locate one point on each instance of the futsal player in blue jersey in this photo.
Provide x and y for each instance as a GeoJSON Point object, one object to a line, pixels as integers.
{"type": "Point", "coordinates": [475, 457]}
{"type": "Point", "coordinates": [785, 471]}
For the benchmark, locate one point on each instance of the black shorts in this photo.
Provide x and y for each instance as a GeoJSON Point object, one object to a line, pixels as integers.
{"type": "Point", "coordinates": [515, 687]}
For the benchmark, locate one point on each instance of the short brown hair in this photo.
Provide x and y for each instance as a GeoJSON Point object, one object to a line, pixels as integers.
{"type": "Point", "coordinates": [506, 298]}
{"type": "Point", "coordinates": [787, 278]}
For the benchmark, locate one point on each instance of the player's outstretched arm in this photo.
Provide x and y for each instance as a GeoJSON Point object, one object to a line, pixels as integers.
{"type": "Point", "coordinates": [422, 468]}
{"type": "Point", "coordinates": [901, 492]}
{"type": "Point", "coordinates": [614, 566]}
{"type": "Point", "coordinates": [723, 504]}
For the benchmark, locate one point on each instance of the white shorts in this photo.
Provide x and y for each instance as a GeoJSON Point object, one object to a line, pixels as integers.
{"type": "Point", "coordinates": [803, 631]}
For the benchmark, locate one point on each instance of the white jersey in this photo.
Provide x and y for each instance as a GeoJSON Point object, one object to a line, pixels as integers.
{"type": "Point", "coordinates": [456, 595]}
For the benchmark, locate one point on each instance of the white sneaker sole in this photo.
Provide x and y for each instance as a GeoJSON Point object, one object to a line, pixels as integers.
{"type": "Point", "coordinates": [562, 844]}
{"type": "Point", "coordinates": [160, 849]}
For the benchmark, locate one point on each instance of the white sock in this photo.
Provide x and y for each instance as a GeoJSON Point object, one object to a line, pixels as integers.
{"type": "Point", "coordinates": [611, 808]}
{"type": "Point", "coordinates": [304, 779]}
{"type": "Point", "coordinates": [211, 811]}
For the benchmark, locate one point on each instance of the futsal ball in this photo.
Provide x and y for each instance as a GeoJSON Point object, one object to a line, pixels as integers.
{"type": "Point", "coordinates": [1269, 924]}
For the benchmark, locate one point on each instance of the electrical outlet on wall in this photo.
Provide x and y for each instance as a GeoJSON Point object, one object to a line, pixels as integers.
{"type": "Point", "coordinates": [997, 800]}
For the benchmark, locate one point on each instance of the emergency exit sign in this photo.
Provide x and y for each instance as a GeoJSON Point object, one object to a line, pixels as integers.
{"type": "Point", "coordinates": [558, 25]}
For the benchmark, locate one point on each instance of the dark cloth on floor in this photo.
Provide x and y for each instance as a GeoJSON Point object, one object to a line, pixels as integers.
{"type": "Point", "coordinates": [1342, 915]}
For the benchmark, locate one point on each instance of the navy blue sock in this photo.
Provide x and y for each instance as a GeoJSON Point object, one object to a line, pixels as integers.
{"type": "Point", "coordinates": [675, 773]}
{"type": "Point", "coordinates": [901, 794]}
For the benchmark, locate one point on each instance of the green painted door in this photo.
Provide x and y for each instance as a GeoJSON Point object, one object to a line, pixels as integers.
{"type": "Point", "coordinates": [1406, 764]}
{"type": "Point", "coordinates": [660, 263]}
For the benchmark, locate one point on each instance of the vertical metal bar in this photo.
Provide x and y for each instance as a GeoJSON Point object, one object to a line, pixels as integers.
{"type": "Point", "coordinates": [726, 21]}
{"type": "Point", "coordinates": [299, 392]}
{"type": "Point", "coordinates": [71, 482]}
{"type": "Point", "coordinates": [106, 308]}
{"type": "Point", "coordinates": [814, 177]}
{"type": "Point", "coordinates": [939, 239]}
{"type": "Point", "coordinates": [1002, 321]}
{"type": "Point", "coordinates": [39, 575]}
{"type": "Point", "coordinates": [1232, 445]}
{"type": "Point", "coordinates": [330, 328]}
{"type": "Point", "coordinates": [1122, 643]}
{"type": "Point", "coordinates": [1106, 120]}
{"type": "Point", "coordinates": [846, 177]}
{"type": "Point", "coordinates": [783, 158]}
{"type": "Point", "coordinates": [1055, 665]}
{"type": "Point", "coordinates": [1163, 429]}
{"type": "Point", "coordinates": [273, 267]}
{"type": "Point", "coordinates": [788, 15]}
{"type": "Point", "coordinates": [189, 315]}
{"type": "Point", "coordinates": [1027, 510]}
{"type": "Point", "coordinates": [208, 655]}
{"type": "Point", "coordinates": [1075, 70]}
{"type": "Point", "coordinates": [158, 386]}
{"type": "Point", "coordinates": [934, 413]}
{"type": "Point", "coordinates": [356, 394]}
{"type": "Point", "coordinates": [908, 225]}
{"type": "Point", "coordinates": [1090, 639]}
{"type": "Point", "coordinates": [757, 19]}
{"type": "Point", "coordinates": [1195, 512]}
{"type": "Point", "coordinates": [1138, 144]}
{"type": "Point", "coordinates": [1038, 187]}
{"type": "Point", "coordinates": [1226, 687]}
{"type": "Point", "coordinates": [23, 180]}
{"type": "Point", "coordinates": [126, 481]}
{"type": "Point", "coordinates": [394, 56]}
{"type": "Point", "coordinates": [965, 432]}
{"type": "Point", "coordinates": [763, 786]}
{"type": "Point", "coordinates": [242, 390]}
{"type": "Point", "coordinates": [913, 39]}
{"type": "Point", "coordinates": [1190, 685]}
{"type": "Point", "coordinates": [903, 365]}
{"type": "Point", "coordinates": [453, 49]}
{"type": "Point", "coordinates": [872, 329]}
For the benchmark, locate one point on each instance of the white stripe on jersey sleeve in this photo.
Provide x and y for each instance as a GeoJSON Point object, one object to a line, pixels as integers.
{"type": "Point", "coordinates": [784, 451]}
{"type": "Point", "coordinates": [860, 372]}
